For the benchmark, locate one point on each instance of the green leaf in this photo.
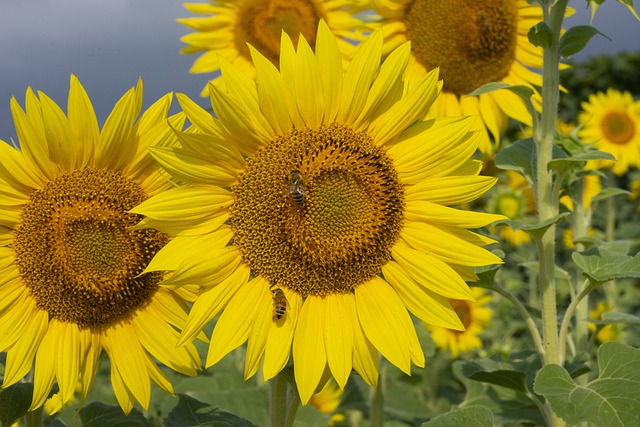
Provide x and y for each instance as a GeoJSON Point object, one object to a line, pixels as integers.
{"type": "Point", "coordinates": [612, 400]}
{"type": "Point", "coordinates": [576, 38]}
{"type": "Point", "coordinates": [521, 157]}
{"type": "Point", "coordinates": [561, 163]}
{"type": "Point", "coordinates": [525, 92]}
{"type": "Point", "coordinates": [14, 402]}
{"type": "Point", "coordinates": [192, 412]}
{"type": "Point", "coordinates": [535, 229]}
{"type": "Point", "coordinates": [508, 406]}
{"type": "Point", "coordinates": [512, 374]}
{"type": "Point", "coordinates": [615, 317]}
{"type": "Point", "coordinates": [98, 414]}
{"type": "Point", "coordinates": [601, 265]}
{"type": "Point", "coordinates": [485, 278]}
{"type": "Point", "coordinates": [541, 35]}
{"type": "Point", "coordinates": [609, 192]}
{"type": "Point", "coordinates": [468, 416]}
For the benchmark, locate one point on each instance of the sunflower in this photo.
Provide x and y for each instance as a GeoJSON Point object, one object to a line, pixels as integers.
{"type": "Point", "coordinates": [228, 25]}
{"type": "Point", "coordinates": [71, 282]}
{"type": "Point", "coordinates": [517, 202]}
{"type": "Point", "coordinates": [473, 43]}
{"type": "Point", "coordinates": [604, 333]}
{"type": "Point", "coordinates": [612, 121]}
{"type": "Point", "coordinates": [317, 213]}
{"type": "Point", "coordinates": [475, 317]}
{"type": "Point", "coordinates": [327, 401]}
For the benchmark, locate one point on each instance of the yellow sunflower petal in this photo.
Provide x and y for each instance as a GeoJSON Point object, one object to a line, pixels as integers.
{"type": "Point", "coordinates": [210, 302]}
{"type": "Point", "coordinates": [366, 359]}
{"type": "Point", "coordinates": [385, 322]}
{"type": "Point", "coordinates": [125, 397]}
{"type": "Point", "coordinates": [234, 324]}
{"type": "Point", "coordinates": [20, 355]}
{"type": "Point", "coordinates": [455, 190]}
{"type": "Point", "coordinates": [428, 238]}
{"type": "Point", "coordinates": [128, 356]}
{"type": "Point", "coordinates": [309, 354]}
{"type": "Point", "coordinates": [67, 336]}
{"type": "Point", "coordinates": [44, 369]}
{"type": "Point", "coordinates": [424, 211]}
{"type": "Point", "coordinates": [280, 339]}
{"type": "Point", "coordinates": [434, 273]}
{"type": "Point", "coordinates": [257, 339]}
{"type": "Point", "coordinates": [118, 127]}
{"type": "Point", "coordinates": [338, 336]}
{"type": "Point", "coordinates": [428, 306]}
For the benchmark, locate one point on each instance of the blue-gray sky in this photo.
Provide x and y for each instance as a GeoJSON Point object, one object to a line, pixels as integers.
{"type": "Point", "coordinates": [108, 44]}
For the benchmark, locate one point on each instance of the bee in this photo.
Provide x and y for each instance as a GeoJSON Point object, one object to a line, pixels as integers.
{"type": "Point", "coordinates": [279, 304]}
{"type": "Point", "coordinates": [295, 187]}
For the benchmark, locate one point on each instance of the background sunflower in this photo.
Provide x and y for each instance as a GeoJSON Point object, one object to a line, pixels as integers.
{"type": "Point", "coordinates": [71, 282]}
{"type": "Point", "coordinates": [225, 27]}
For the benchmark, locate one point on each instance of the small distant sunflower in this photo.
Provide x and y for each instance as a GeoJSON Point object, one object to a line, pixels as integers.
{"type": "Point", "coordinates": [603, 333]}
{"type": "Point", "coordinates": [568, 237]}
{"type": "Point", "coordinates": [327, 401]}
{"type": "Point", "coordinates": [228, 25]}
{"type": "Point", "coordinates": [516, 201]}
{"type": "Point", "coordinates": [317, 213]}
{"type": "Point", "coordinates": [612, 122]}
{"type": "Point", "coordinates": [473, 42]}
{"type": "Point", "coordinates": [475, 317]}
{"type": "Point", "coordinates": [71, 282]}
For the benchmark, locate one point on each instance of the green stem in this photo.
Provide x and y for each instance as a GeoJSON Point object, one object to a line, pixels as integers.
{"type": "Point", "coordinates": [581, 225]}
{"type": "Point", "coordinates": [528, 320]}
{"type": "Point", "coordinates": [35, 418]}
{"type": "Point", "coordinates": [293, 409]}
{"type": "Point", "coordinates": [564, 326]}
{"type": "Point", "coordinates": [611, 209]}
{"type": "Point", "coordinates": [278, 387]}
{"type": "Point", "coordinates": [376, 409]}
{"type": "Point", "coordinates": [547, 203]}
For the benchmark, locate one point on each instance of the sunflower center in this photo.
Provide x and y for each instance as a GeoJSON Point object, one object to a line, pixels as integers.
{"type": "Point", "coordinates": [510, 206]}
{"type": "Point", "coordinates": [473, 42]}
{"type": "Point", "coordinates": [76, 252]}
{"type": "Point", "coordinates": [318, 211]}
{"type": "Point", "coordinates": [618, 128]}
{"type": "Point", "coordinates": [463, 310]}
{"type": "Point", "coordinates": [261, 22]}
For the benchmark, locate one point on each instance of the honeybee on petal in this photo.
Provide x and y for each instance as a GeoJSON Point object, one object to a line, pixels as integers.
{"type": "Point", "coordinates": [295, 188]}
{"type": "Point", "coordinates": [279, 304]}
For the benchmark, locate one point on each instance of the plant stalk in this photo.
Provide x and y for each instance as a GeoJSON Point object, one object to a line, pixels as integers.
{"type": "Point", "coordinates": [547, 202]}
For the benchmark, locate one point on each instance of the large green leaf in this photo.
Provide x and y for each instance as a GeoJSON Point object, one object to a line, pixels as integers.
{"type": "Point", "coordinates": [521, 157]}
{"type": "Point", "coordinates": [468, 416]}
{"type": "Point", "coordinates": [612, 400]}
{"type": "Point", "coordinates": [14, 402]}
{"type": "Point", "coordinates": [98, 414]}
{"type": "Point", "coordinates": [601, 265]}
{"type": "Point", "coordinates": [192, 412]}
{"type": "Point", "coordinates": [514, 373]}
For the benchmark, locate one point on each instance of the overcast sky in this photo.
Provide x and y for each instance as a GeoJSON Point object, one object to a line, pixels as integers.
{"type": "Point", "coordinates": [109, 43]}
